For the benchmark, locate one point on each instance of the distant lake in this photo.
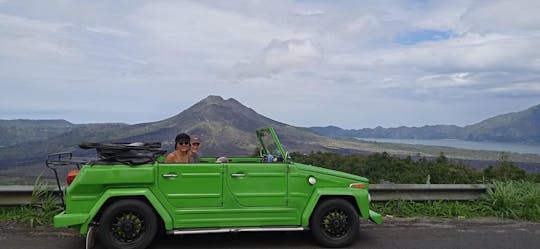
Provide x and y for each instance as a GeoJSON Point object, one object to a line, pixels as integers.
{"type": "Point", "coordinates": [461, 144]}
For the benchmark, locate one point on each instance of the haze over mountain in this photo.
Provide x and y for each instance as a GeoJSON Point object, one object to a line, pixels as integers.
{"type": "Point", "coordinates": [226, 127]}
{"type": "Point", "coordinates": [517, 127]}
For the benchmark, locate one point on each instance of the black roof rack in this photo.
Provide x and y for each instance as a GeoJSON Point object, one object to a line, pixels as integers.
{"type": "Point", "coordinates": [126, 153]}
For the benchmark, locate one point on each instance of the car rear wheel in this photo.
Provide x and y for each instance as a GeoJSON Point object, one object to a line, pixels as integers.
{"type": "Point", "coordinates": [127, 224]}
{"type": "Point", "coordinates": [334, 223]}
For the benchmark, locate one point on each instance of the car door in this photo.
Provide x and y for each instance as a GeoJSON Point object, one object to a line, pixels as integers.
{"type": "Point", "coordinates": [258, 185]}
{"type": "Point", "coordinates": [191, 185]}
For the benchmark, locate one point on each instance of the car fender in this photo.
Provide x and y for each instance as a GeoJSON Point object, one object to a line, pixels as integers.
{"type": "Point", "coordinates": [129, 192]}
{"type": "Point", "coordinates": [359, 195]}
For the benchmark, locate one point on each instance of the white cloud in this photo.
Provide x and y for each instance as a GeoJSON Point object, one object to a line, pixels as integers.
{"type": "Point", "coordinates": [444, 80]}
{"type": "Point", "coordinates": [444, 15]}
{"type": "Point", "coordinates": [518, 87]}
{"type": "Point", "coordinates": [107, 31]}
{"type": "Point", "coordinates": [27, 48]}
{"type": "Point", "coordinates": [503, 16]}
{"type": "Point", "coordinates": [470, 51]}
{"type": "Point", "coordinates": [194, 28]}
{"type": "Point", "coordinates": [364, 24]}
{"type": "Point", "coordinates": [333, 53]}
{"type": "Point", "coordinates": [311, 13]}
{"type": "Point", "coordinates": [30, 39]}
{"type": "Point", "coordinates": [279, 56]}
{"type": "Point", "coordinates": [15, 24]}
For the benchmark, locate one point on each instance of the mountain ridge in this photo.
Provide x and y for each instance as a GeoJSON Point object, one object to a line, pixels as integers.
{"type": "Point", "coordinates": [26, 130]}
{"type": "Point", "coordinates": [227, 129]}
{"type": "Point", "coordinates": [521, 127]}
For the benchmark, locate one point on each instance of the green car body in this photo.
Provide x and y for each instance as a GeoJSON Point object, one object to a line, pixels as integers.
{"type": "Point", "coordinates": [243, 193]}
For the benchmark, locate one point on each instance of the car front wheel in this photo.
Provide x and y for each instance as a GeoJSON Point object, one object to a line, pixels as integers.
{"type": "Point", "coordinates": [334, 223]}
{"type": "Point", "coordinates": [127, 224]}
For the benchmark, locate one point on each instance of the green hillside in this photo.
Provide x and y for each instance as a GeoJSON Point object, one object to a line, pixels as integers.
{"type": "Point", "coordinates": [522, 127]}
{"type": "Point", "coordinates": [23, 130]}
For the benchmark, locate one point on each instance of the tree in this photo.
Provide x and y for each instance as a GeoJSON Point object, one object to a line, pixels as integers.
{"type": "Point", "coordinates": [504, 170]}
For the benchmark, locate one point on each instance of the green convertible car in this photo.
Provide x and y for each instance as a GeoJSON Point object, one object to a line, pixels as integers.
{"type": "Point", "coordinates": [129, 195]}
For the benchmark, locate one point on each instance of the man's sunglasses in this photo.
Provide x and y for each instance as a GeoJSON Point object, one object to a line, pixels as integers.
{"type": "Point", "coordinates": [196, 144]}
{"type": "Point", "coordinates": [183, 143]}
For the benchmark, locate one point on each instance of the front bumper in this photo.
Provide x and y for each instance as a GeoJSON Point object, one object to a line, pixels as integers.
{"type": "Point", "coordinates": [65, 220]}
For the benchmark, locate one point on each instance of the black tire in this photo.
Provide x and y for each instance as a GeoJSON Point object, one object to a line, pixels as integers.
{"type": "Point", "coordinates": [127, 224]}
{"type": "Point", "coordinates": [334, 223]}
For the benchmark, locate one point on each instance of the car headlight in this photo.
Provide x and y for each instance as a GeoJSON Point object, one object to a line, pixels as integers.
{"type": "Point", "coordinates": [357, 185]}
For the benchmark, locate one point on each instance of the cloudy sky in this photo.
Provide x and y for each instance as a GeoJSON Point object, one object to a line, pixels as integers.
{"type": "Point", "coordinates": [353, 64]}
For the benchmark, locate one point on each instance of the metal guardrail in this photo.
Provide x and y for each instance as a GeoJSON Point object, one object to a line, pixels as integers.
{"type": "Point", "coordinates": [15, 195]}
{"type": "Point", "coordinates": [22, 194]}
{"type": "Point", "coordinates": [427, 192]}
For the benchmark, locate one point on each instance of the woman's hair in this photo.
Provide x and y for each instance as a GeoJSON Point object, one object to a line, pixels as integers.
{"type": "Point", "coordinates": [180, 138]}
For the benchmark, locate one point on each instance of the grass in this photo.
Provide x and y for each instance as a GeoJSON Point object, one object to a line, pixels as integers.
{"type": "Point", "coordinates": [515, 200]}
{"type": "Point", "coordinates": [41, 210]}
{"type": "Point", "coordinates": [512, 199]}
{"type": "Point", "coordinates": [444, 209]}
{"type": "Point", "coordinates": [9, 213]}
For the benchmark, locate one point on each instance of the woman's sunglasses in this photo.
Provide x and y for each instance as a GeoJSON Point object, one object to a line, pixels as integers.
{"type": "Point", "coordinates": [183, 143]}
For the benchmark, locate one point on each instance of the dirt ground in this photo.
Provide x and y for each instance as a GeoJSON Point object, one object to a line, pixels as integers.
{"type": "Point", "coordinates": [12, 227]}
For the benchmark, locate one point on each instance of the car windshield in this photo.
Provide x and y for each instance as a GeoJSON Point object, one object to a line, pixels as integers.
{"type": "Point", "coordinates": [270, 144]}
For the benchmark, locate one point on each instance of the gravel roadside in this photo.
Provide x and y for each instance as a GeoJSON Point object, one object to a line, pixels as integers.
{"type": "Point", "coordinates": [395, 232]}
{"type": "Point", "coordinates": [13, 227]}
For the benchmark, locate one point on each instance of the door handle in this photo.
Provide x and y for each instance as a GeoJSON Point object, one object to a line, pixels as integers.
{"type": "Point", "coordinates": [169, 175]}
{"type": "Point", "coordinates": [238, 175]}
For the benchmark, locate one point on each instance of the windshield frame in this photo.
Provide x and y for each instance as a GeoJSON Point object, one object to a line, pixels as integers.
{"type": "Point", "coordinates": [262, 132]}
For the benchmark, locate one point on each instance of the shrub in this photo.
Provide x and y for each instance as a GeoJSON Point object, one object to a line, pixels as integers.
{"type": "Point", "coordinates": [515, 200]}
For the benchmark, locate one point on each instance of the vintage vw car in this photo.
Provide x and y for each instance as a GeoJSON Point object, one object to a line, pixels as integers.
{"type": "Point", "coordinates": [129, 195]}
